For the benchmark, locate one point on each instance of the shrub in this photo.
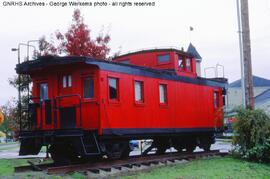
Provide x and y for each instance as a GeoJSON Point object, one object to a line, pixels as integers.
{"type": "Point", "coordinates": [252, 135]}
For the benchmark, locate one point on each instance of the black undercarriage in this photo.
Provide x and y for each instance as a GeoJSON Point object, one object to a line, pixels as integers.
{"type": "Point", "coordinates": [70, 145]}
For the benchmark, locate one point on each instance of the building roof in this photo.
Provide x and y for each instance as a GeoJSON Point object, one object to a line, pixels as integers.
{"type": "Point", "coordinates": [264, 96]}
{"type": "Point", "coordinates": [257, 82]}
{"type": "Point", "coordinates": [192, 50]}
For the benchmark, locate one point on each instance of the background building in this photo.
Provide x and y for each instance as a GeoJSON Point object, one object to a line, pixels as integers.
{"type": "Point", "coordinates": [261, 94]}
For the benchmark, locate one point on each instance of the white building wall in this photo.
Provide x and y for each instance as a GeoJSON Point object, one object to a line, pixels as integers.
{"type": "Point", "coordinates": [235, 95]}
{"type": "Point", "coordinates": [264, 106]}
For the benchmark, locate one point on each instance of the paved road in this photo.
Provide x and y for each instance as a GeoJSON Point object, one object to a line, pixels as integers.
{"type": "Point", "coordinates": [11, 150]}
{"type": "Point", "coordinates": [8, 151]}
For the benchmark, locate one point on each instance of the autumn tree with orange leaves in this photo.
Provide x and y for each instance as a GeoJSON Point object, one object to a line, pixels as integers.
{"type": "Point", "coordinates": [77, 41]}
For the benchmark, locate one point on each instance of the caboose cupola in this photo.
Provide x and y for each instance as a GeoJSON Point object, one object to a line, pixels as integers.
{"type": "Point", "coordinates": [193, 51]}
{"type": "Point", "coordinates": [182, 63]}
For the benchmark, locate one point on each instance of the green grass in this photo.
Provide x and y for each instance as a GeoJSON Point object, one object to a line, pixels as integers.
{"type": "Point", "coordinates": [7, 169]}
{"type": "Point", "coordinates": [7, 165]}
{"type": "Point", "coordinates": [219, 167]}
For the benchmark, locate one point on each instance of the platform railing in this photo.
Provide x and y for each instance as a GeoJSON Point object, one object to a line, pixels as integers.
{"type": "Point", "coordinates": [57, 106]}
{"type": "Point", "coordinates": [38, 107]}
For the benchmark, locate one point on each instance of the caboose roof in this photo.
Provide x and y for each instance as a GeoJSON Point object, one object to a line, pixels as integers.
{"type": "Point", "coordinates": [156, 50]}
{"type": "Point", "coordinates": [42, 63]}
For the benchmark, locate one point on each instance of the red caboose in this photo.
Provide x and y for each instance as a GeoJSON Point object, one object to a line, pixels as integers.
{"type": "Point", "coordinates": [82, 107]}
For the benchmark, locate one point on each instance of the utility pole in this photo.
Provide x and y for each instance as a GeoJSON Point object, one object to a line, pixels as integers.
{"type": "Point", "coordinates": [241, 54]}
{"type": "Point", "coordinates": [247, 66]}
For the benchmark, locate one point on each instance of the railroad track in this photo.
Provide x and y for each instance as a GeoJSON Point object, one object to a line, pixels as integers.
{"type": "Point", "coordinates": [106, 168]}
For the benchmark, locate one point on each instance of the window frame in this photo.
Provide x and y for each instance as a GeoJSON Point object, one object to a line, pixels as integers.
{"type": "Point", "coordinates": [216, 99]}
{"type": "Point", "coordinates": [69, 81]}
{"type": "Point", "coordinates": [190, 64]}
{"type": "Point", "coordinates": [139, 102]}
{"type": "Point", "coordinates": [165, 103]}
{"type": "Point", "coordinates": [185, 59]}
{"type": "Point", "coordinates": [39, 90]}
{"type": "Point", "coordinates": [163, 62]}
{"type": "Point", "coordinates": [94, 91]}
{"type": "Point", "coordinates": [116, 100]}
{"type": "Point", "coordinates": [183, 62]}
{"type": "Point", "coordinates": [66, 81]}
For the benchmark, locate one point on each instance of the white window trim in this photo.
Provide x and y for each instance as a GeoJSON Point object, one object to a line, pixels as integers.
{"type": "Point", "coordinates": [162, 94]}
{"type": "Point", "coordinates": [138, 93]}
{"type": "Point", "coordinates": [67, 81]}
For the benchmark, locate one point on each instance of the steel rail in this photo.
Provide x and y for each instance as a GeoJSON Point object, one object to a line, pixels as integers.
{"type": "Point", "coordinates": [121, 167]}
{"type": "Point", "coordinates": [116, 167]}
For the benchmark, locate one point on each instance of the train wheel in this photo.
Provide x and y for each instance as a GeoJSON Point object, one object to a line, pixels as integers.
{"type": "Point", "coordinates": [161, 145]}
{"type": "Point", "coordinates": [190, 144]}
{"type": "Point", "coordinates": [117, 150]}
{"type": "Point", "coordinates": [63, 154]}
{"type": "Point", "coordinates": [206, 147]}
{"type": "Point", "coordinates": [206, 143]}
{"type": "Point", "coordinates": [59, 155]}
{"type": "Point", "coordinates": [179, 148]}
{"type": "Point", "coordinates": [190, 147]}
{"type": "Point", "coordinates": [178, 144]}
{"type": "Point", "coordinates": [161, 149]}
{"type": "Point", "coordinates": [126, 152]}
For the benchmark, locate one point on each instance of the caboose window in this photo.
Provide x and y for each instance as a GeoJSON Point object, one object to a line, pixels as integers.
{"type": "Point", "coordinates": [215, 99]}
{"type": "Point", "coordinates": [43, 91]}
{"type": "Point", "coordinates": [113, 88]}
{"type": "Point", "coordinates": [188, 64]}
{"type": "Point", "coordinates": [180, 62]}
{"type": "Point", "coordinates": [64, 82]}
{"type": "Point", "coordinates": [67, 81]}
{"type": "Point", "coordinates": [163, 58]}
{"type": "Point", "coordinates": [162, 93]}
{"type": "Point", "coordinates": [88, 87]}
{"type": "Point", "coordinates": [138, 91]}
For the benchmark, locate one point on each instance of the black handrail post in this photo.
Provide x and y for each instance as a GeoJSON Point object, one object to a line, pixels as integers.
{"type": "Point", "coordinates": [41, 113]}
{"type": "Point", "coordinates": [54, 113]}
{"type": "Point", "coordinates": [80, 112]}
{"type": "Point", "coordinates": [19, 91]}
{"type": "Point", "coordinates": [19, 81]}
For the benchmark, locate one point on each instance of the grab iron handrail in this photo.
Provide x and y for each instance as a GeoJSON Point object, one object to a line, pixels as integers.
{"type": "Point", "coordinates": [58, 98]}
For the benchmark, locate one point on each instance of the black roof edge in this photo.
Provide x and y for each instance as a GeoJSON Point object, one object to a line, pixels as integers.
{"type": "Point", "coordinates": [40, 63]}
{"type": "Point", "coordinates": [31, 65]}
{"type": "Point", "coordinates": [57, 60]}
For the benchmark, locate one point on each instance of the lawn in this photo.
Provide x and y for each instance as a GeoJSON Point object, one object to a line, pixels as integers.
{"type": "Point", "coordinates": [219, 167]}
{"type": "Point", "coordinates": [7, 165]}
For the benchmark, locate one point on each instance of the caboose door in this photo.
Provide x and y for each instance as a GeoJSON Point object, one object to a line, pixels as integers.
{"type": "Point", "coordinates": [45, 106]}
{"type": "Point", "coordinates": [67, 103]}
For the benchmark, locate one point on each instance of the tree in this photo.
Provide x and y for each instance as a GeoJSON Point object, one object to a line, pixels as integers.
{"type": "Point", "coordinates": [77, 41]}
{"type": "Point", "coordinates": [10, 124]}
{"type": "Point", "coordinates": [252, 135]}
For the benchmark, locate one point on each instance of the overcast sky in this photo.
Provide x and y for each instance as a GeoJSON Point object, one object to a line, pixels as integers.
{"type": "Point", "coordinates": [131, 28]}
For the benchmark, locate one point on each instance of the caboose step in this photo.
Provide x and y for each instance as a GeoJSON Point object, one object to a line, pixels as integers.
{"type": "Point", "coordinates": [90, 145]}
